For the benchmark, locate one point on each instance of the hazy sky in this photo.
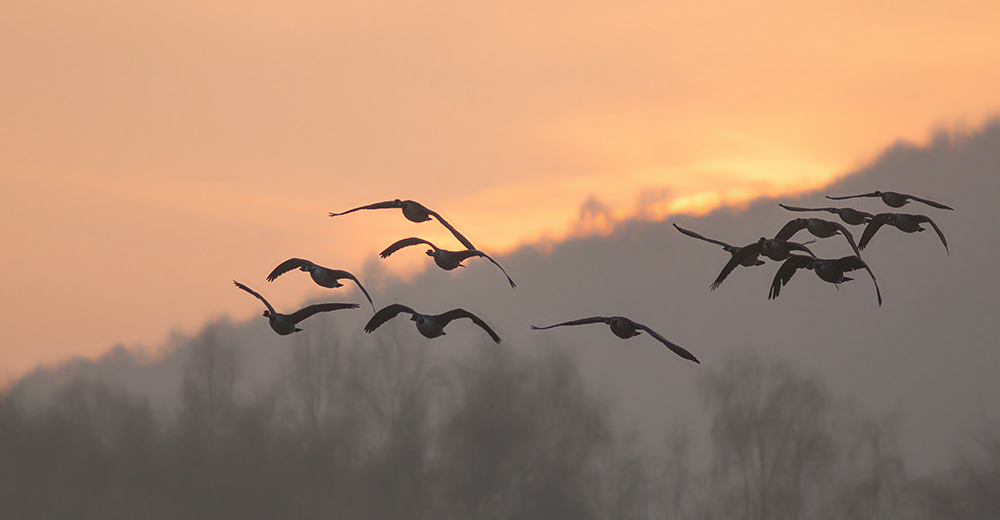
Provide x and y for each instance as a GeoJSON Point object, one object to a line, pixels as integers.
{"type": "Point", "coordinates": [152, 152]}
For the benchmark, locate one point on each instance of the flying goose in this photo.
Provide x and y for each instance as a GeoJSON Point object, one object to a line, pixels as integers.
{"type": "Point", "coordinates": [819, 228]}
{"type": "Point", "coordinates": [431, 326]}
{"type": "Point", "coordinates": [902, 221]}
{"type": "Point", "coordinates": [323, 276]}
{"type": "Point", "coordinates": [414, 212]}
{"type": "Point", "coordinates": [750, 261]}
{"type": "Point", "coordinates": [625, 328]}
{"type": "Point", "coordinates": [445, 259]}
{"type": "Point", "coordinates": [829, 270]}
{"type": "Point", "coordinates": [776, 249]}
{"type": "Point", "coordinates": [285, 324]}
{"type": "Point", "coordinates": [848, 215]}
{"type": "Point", "coordinates": [893, 199]}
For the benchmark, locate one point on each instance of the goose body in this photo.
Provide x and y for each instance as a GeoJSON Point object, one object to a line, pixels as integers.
{"type": "Point", "coordinates": [904, 222]}
{"type": "Point", "coordinates": [414, 212]}
{"type": "Point", "coordinates": [894, 199]}
{"type": "Point", "coordinates": [848, 215]}
{"type": "Point", "coordinates": [444, 259]}
{"type": "Point", "coordinates": [625, 328]}
{"type": "Point", "coordinates": [323, 276]}
{"type": "Point", "coordinates": [285, 324]}
{"type": "Point", "coordinates": [828, 270]}
{"type": "Point", "coordinates": [750, 261]}
{"type": "Point", "coordinates": [430, 326]}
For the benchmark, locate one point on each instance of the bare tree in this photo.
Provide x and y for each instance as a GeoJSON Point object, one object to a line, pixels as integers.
{"type": "Point", "coordinates": [522, 442]}
{"type": "Point", "coordinates": [873, 476]}
{"type": "Point", "coordinates": [675, 484]}
{"type": "Point", "coordinates": [771, 437]}
{"type": "Point", "coordinates": [208, 389]}
{"type": "Point", "coordinates": [627, 484]}
{"type": "Point", "coordinates": [971, 489]}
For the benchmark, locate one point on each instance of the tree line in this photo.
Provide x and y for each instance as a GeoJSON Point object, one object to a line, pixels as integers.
{"type": "Point", "coordinates": [378, 433]}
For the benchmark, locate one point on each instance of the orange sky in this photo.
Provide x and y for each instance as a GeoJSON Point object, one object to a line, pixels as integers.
{"type": "Point", "coordinates": [151, 153]}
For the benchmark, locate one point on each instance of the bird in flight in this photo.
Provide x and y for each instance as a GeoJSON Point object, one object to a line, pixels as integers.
{"type": "Point", "coordinates": [902, 221]}
{"type": "Point", "coordinates": [323, 276]}
{"type": "Point", "coordinates": [819, 228]}
{"type": "Point", "coordinates": [414, 212]}
{"type": "Point", "coordinates": [445, 259]}
{"type": "Point", "coordinates": [776, 249]}
{"type": "Point", "coordinates": [894, 199]}
{"type": "Point", "coordinates": [430, 326]}
{"type": "Point", "coordinates": [749, 261]}
{"type": "Point", "coordinates": [829, 270]}
{"type": "Point", "coordinates": [848, 215]}
{"type": "Point", "coordinates": [625, 328]}
{"type": "Point", "coordinates": [285, 324]}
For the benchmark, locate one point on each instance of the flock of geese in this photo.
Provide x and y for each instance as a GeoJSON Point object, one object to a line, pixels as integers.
{"type": "Point", "coordinates": [832, 270]}
{"type": "Point", "coordinates": [780, 248]}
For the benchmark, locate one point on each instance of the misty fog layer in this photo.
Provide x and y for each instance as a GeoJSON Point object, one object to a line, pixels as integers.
{"type": "Point", "coordinates": [350, 431]}
{"type": "Point", "coordinates": [817, 404]}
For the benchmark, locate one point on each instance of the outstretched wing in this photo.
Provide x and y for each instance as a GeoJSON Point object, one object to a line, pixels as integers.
{"type": "Point", "coordinates": [925, 218]}
{"type": "Point", "coordinates": [406, 242]}
{"type": "Point", "coordinates": [847, 234]}
{"type": "Point", "coordinates": [512, 284]}
{"type": "Point", "coordinates": [853, 263]}
{"type": "Point", "coordinates": [692, 234]}
{"type": "Point", "coordinates": [386, 314]}
{"type": "Point", "coordinates": [738, 258]}
{"type": "Point", "coordinates": [339, 274]}
{"type": "Point", "coordinates": [930, 203]}
{"type": "Point", "coordinates": [583, 321]}
{"type": "Point", "coordinates": [251, 291]}
{"type": "Point", "coordinates": [378, 205]}
{"type": "Point", "coordinates": [305, 312]}
{"type": "Point", "coordinates": [677, 349]}
{"type": "Point", "coordinates": [461, 238]}
{"type": "Point", "coordinates": [792, 227]}
{"type": "Point", "coordinates": [795, 246]}
{"type": "Point", "coordinates": [785, 273]}
{"type": "Point", "coordinates": [872, 194]}
{"type": "Point", "coordinates": [455, 314]}
{"type": "Point", "coordinates": [850, 263]}
{"type": "Point", "coordinates": [288, 265]}
{"type": "Point", "coordinates": [877, 221]}
{"type": "Point", "coordinates": [796, 208]}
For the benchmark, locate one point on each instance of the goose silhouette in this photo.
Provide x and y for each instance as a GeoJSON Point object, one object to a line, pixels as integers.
{"type": "Point", "coordinates": [893, 199]}
{"type": "Point", "coordinates": [848, 215]}
{"type": "Point", "coordinates": [776, 249]}
{"type": "Point", "coordinates": [414, 212]}
{"type": "Point", "coordinates": [750, 261]}
{"type": "Point", "coordinates": [323, 276]}
{"type": "Point", "coordinates": [429, 325]}
{"type": "Point", "coordinates": [904, 222]}
{"type": "Point", "coordinates": [625, 328]}
{"type": "Point", "coordinates": [285, 324]}
{"type": "Point", "coordinates": [829, 270]}
{"type": "Point", "coordinates": [444, 259]}
{"type": "Point", "coordinates": [819, 228]}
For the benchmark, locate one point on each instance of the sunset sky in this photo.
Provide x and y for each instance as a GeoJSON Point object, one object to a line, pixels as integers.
{"type": "Point", "coordinates": [151, 152]}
